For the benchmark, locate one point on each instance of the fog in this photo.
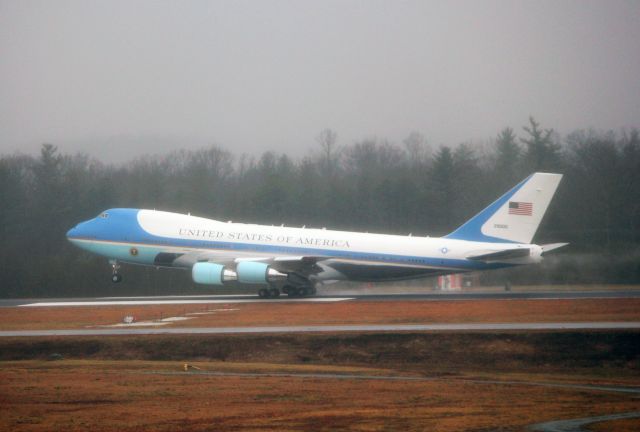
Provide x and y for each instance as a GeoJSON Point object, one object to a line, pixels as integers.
{"type": "Point", "coordinates": [118, 79]}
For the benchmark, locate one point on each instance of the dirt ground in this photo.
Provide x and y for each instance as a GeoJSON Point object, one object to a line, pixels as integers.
{"type": "Point", "coordinates": [347, 312]}
{"type": "Point", "coordinates": [466, 381]}
{"type": "Point", "coordinates": [159, 396]}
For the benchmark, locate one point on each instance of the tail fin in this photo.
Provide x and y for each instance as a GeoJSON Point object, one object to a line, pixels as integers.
{"type": "Point", "coordinates": [515, 216]}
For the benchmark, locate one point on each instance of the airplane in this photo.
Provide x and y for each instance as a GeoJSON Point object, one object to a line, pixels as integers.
{"type": "Point", "coordinates": [295, 261]}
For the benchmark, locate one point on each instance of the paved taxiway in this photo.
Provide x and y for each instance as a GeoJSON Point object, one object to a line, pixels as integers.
{"type": "Point", "coordinates": [575, 425]}
{"type": "Point", "coordinates": [204, 299]}
{"type": "Point", "coordinates": [331, 329]}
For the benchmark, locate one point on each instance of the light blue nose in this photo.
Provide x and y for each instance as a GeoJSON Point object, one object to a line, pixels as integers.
{"type": "Point", "coordinates": [73, 232]}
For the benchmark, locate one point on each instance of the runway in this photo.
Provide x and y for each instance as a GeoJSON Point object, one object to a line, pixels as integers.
{"type": "Point", "coordinates": [331, 329]}
{"type": "Point", "coordinates": [178, 301]}
{"type": "Point", "coordinates": [431, 296]}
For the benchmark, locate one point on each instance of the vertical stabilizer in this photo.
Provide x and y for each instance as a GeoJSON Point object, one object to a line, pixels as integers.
{"type": "Point", "coordinates": [515, 216]}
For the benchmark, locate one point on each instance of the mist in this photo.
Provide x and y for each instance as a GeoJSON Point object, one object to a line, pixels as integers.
{"type": "Point", "coordinates": [121, 79]}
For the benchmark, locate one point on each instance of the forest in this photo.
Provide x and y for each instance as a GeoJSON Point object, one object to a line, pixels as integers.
{"type": "Point", "coordinates": [373, 185]}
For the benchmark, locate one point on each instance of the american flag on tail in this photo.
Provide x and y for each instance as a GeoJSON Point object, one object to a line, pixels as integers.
{"type": "Point", "coordinates": [520, 208]}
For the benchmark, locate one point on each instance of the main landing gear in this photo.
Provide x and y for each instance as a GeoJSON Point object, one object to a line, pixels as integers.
{"type": "Point", "coordinates": [269, 293]}
{"type": "Point", "coordinates": [299, 291]}
{"type": "Point", "coordinates": [115, 276]}
{"type": "Point", "coordinates": [290, 290]}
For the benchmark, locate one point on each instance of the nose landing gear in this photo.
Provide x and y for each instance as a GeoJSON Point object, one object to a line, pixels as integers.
{"type": "Point", "coordinates": [115, 276]}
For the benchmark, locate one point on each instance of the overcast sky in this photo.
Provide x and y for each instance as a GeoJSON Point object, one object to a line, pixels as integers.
{"type": "Point", "coordinates": [120, 78]}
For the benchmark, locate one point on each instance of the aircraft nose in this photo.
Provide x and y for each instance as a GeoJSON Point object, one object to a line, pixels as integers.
{"type": "Point", "coordinates": [73, 232]}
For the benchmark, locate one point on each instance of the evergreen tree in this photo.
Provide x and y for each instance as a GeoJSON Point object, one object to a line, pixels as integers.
{"type": "Point", "coordinates": [507, 158]}
{"type": "Point", "coordinates": [442, 189]}
{"type": "Point", "coordinates": [373, 185]}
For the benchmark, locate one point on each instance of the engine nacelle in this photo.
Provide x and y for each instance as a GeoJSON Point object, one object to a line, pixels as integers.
{"type": "Point", "coordinates": [257, 273]}
{"type": "Point", "coordinates": [211, 274]}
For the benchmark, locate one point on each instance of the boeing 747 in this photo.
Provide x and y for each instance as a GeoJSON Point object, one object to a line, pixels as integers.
{"type": "Point", "coordinates": [295, 260]}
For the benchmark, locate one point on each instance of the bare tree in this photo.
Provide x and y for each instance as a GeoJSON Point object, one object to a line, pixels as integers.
{"type": "Point", "coordinates": [416, 147]}
{"type": "Point", "coordinates": [541, 153]}
{"type": "Point", "coordinates": [328, 143]}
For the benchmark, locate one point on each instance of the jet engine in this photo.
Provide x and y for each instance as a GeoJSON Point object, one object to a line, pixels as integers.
{"type": "Point", "coordinates": [252, 272]}
{"type": "Point", "coordinates": [212, 274]}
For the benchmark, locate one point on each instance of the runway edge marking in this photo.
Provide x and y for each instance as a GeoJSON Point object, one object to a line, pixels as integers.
{"type": "Point", "coordinates": [632, 325]}
{"type": "Point", "coordinates": [172, 302]}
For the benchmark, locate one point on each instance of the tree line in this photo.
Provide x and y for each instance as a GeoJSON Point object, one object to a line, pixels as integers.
{"type": "Point", "coordinates": [370, 185]}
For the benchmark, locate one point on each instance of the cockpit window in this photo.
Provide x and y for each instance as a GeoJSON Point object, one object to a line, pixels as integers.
{"type": "Point", "coordinates": [104, 215]}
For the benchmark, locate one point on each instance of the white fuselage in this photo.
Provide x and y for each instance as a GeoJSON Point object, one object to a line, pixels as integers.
{"type": "Point", "coordinates": [157, 232]}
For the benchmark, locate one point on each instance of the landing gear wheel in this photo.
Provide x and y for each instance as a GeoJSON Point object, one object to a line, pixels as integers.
{"type": "Point", "coordinates": [303, 291]}
{"type": "Point", "coordinates": [263, 293]}
{"type": "Point", "coordinates": [115, 276]}
{"type": "Point", "coordinates": [274, 293]}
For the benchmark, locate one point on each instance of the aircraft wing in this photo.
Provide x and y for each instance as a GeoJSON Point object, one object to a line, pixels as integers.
{"type": "Point", "coordinates": [296, 264]}
{"type": "Point", "coordinates": [284, 264]}
{"type": "Point", "coordinates": [188, 259]}
{"type": "Point", "coordinates": [300, 268]}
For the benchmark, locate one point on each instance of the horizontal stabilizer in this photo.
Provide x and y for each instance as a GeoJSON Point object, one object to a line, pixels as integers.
{"type": "Point", "coordinates": [552, 246]}
{"type": "Point", "coordinates": [502, 255]}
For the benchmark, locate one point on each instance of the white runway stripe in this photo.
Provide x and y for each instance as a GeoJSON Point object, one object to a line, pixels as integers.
{"type": "Point", "coordinates": [199, 296]}
{"type": "Point", "coordinates": [177, 302]}
{"type": "Point", "coordinates": [332, 329]}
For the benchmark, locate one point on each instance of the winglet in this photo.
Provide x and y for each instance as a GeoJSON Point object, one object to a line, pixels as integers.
{"type": "Point", "coordinates": [515, 216]}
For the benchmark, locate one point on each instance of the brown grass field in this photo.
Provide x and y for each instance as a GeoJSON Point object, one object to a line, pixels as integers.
{"type": "Point", "coordinates": [474, 381]}
{"type": "Point", "coordinates": [157, 396]}
{"type": "Point", "coordinates": [361, 312]}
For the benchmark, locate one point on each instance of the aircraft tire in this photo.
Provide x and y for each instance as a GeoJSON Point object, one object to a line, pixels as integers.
{"type": "Point", "coordinates": [274, 293]}
{"type": "Point", "coordinates": [293, 292]}
{"type": "Point", "coordinates": [116, 278]}
{"type": "Point", "coordinates": [263, 293]}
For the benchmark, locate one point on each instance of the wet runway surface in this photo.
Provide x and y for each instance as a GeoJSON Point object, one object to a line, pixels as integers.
{"type": "Point", "coordinates": [436, 296]}
{"type": "Point", "coordinates": [330, 329]}
{"type": "Point", "coordinates": [576, 425]}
